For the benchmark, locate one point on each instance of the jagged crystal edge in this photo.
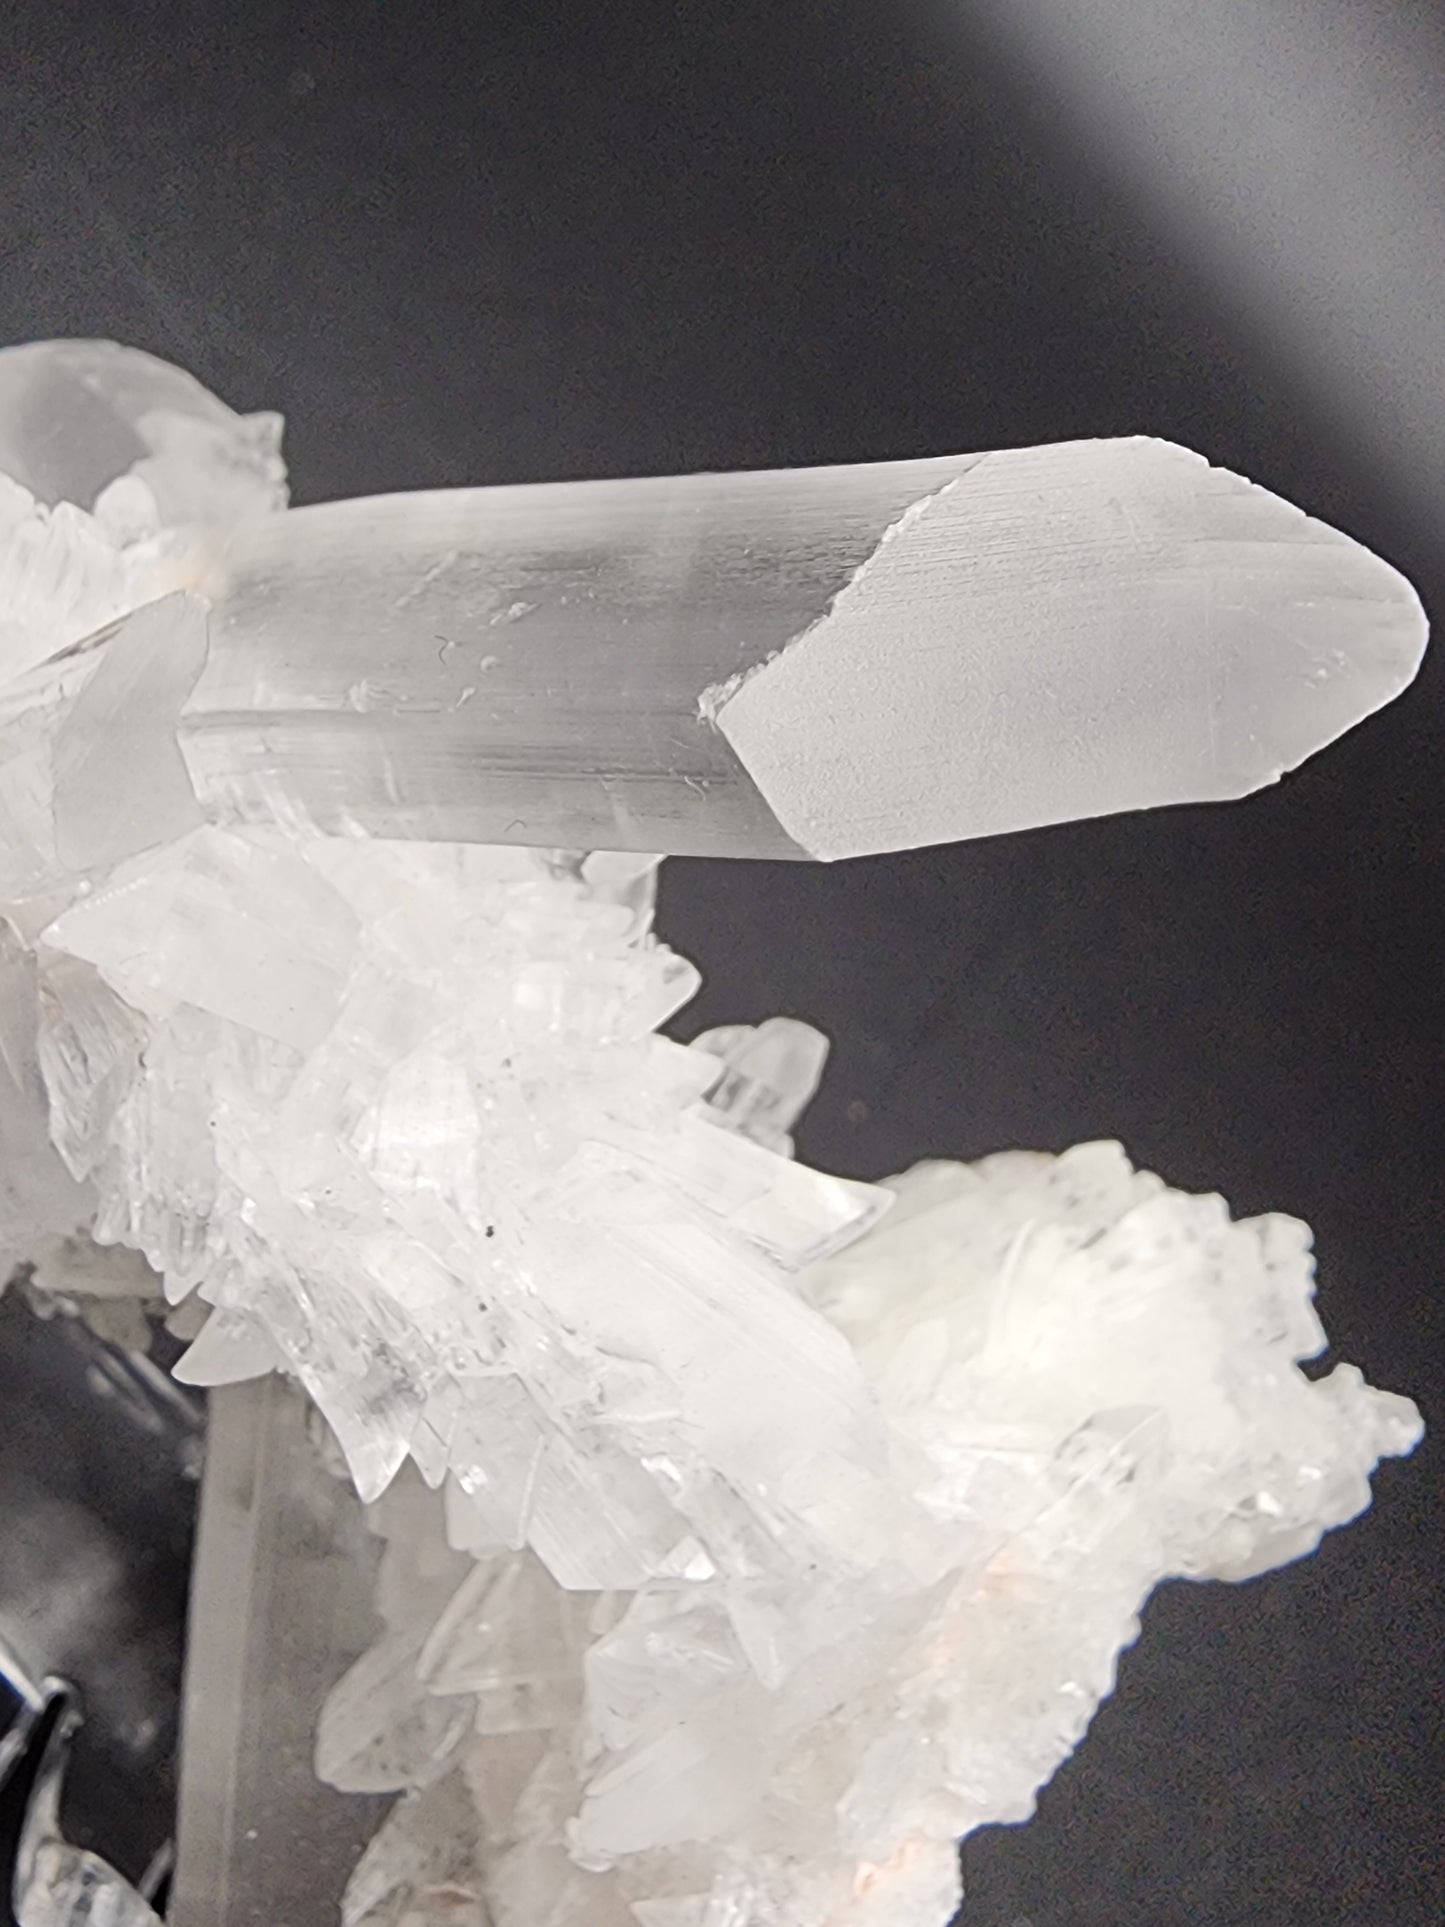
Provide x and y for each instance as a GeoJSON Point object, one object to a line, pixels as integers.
{"type": "Point", "coordinates": [1089, 1383]}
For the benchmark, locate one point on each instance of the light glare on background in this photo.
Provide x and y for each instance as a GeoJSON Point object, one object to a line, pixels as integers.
{"type": "Point", "coordinates": [1294, 150]}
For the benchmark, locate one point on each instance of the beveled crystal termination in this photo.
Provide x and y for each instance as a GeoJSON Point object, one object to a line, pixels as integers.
{"type": "Point", "coordinates": [809, 662]}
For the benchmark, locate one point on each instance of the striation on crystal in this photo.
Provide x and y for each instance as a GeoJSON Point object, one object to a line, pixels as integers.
{"type": "Point", "coordinates": [750, 1533]}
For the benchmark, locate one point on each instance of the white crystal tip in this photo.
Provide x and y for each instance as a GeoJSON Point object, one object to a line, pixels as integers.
{"type": "Point", "coordinates": [1066, 632]}
{"type": "Point", "coordinates": [78, 417]}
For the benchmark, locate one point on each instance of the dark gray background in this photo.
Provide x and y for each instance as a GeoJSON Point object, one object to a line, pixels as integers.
{"type": "Point", "coordinates": [512, 242]}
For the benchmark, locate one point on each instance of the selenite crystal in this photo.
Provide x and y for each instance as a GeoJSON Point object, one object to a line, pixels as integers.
{"type": "Point", "coordinates": [806, 662]}
{"type": "Point", "coordinates": [749, 1533]}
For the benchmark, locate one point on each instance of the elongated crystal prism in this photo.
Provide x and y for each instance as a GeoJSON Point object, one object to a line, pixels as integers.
{"type": "Point", "coordinates": [814, 662]}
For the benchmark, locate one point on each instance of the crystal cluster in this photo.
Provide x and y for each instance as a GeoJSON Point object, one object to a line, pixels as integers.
{"type": "Point", "coordinates": [1086, 1382]}
{"type": "Point", "coordinates": [750, 1534]}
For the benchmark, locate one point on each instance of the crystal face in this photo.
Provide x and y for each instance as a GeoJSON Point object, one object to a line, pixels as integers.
{"type": "Point", "coordinates": [749, 1534]}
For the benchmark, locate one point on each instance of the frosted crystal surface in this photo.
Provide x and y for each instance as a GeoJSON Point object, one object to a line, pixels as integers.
{"type": "Point", "coordinates": [135, 440]}
{"type": "Point", "coordinates": [1105, 625]}
{"type": "Point", "coordinates": [749, 1533]}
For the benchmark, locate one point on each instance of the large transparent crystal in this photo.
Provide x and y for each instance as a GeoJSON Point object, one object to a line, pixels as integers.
{"type": "Point", "coordinates": [815, 661]}
{"type": "Point", "coordinates": [749, 1533]}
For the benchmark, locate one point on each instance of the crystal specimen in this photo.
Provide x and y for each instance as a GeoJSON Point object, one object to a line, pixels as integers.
{"type": "Point", "coordinates": [818, 661]}
{"type": "Point", "coordinates": [751, 1533]}
{"type": "Point", "coordinates": [1087, 1382]}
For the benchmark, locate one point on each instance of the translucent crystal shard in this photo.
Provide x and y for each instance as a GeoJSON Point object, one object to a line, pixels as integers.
{"type": "Point", "coordinates": [227, 924]}
{"type": "Point", "coordinates": [424, 1868]}
{"type": "Point", "coordinates": [41, 1199]}
{"type": "Point", "coordinates": [65, 576]}
{"type": "Point", "coordinates": [230, 1347]}
{"type": "Point", "coordinates": [140, 442]}
{"type": "Point", "coordinates": [120, 783]}
{"type": "Point", "coordinates": [505, 1636]}
{"type": "Point", "coordinates": [380, 1733]}
{"type": "Point", "coordinates": [769, 1073]}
